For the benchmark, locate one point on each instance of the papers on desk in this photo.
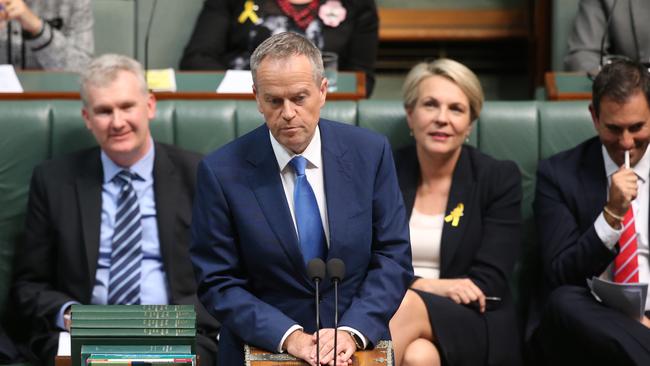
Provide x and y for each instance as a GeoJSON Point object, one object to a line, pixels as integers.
{"type": "Point", "coordinates": [9, 82]}
{"type": "Point", "coordinates": [64, 344]}
{"type": "Point", "coordinates": [161, 80]}
{"type": "Point", "coordinates": [236, 81]}
{"type": "Point", "coordinates": [628, 298]}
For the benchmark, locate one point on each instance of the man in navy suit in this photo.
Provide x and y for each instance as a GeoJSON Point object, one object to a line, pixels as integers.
{"type": "Point", "coordinates": [584, 196]}
{"type": "Point", "coordinates": [246, 247]}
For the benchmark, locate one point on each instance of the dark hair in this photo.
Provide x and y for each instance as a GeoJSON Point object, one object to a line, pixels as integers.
{"type": "Point", "coordinates": [618, 81]}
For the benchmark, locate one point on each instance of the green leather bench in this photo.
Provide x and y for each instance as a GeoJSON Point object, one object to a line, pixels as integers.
{"type": "Point", "coordinates": [33, 131]}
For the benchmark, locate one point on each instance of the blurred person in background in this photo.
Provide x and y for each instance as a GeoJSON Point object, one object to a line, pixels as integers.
{"type": "Point", "coordinates": [628, 33]}
{"type": "Point", "coordinates": [46, 34]}
{"type": "Point", "coordinates": [227, 32]}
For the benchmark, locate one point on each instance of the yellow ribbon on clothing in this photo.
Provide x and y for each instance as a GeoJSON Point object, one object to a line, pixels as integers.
{"type": "Point", "coordinates": [455, 214]}
{"type": "Point", "coordinates": [249, 13]}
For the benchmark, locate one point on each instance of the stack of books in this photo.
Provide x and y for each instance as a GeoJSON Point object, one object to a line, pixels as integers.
{"type": "Point", "coordinates": [133, 335]}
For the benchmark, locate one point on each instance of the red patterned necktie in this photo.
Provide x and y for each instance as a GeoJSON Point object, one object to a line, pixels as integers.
{"type": "Point", "coordinates": [626, 266]}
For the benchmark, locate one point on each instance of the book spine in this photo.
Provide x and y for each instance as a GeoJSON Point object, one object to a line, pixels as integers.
{"type": "Point", "coordinates": [132, 332]}
{"type": "Point", "coordinates": [122, 308]}
{"type": "Point", "coordinates": [76, 343]}
{"type": "Point", "coordinates": [134, 323]}
{"type": "Point", "coordinates": [141, 356]}
{"type": "Point", "coordinates": [134, 315]}
{"type": "Point", "coordinates": [115, 362]}
{"type": "Point", "coordinates": [135, 349]}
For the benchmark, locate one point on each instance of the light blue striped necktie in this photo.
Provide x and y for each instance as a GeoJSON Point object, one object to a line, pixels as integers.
{"type": "Point", "coordinates": [126, 252]}
{"type": "Point", "coordinates": [310, 227]}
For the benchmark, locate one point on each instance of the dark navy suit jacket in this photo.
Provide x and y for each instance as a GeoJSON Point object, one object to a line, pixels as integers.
{"type": "Point", "coordinates": [247, 257]}
{"type": "Point", "coordinates": [571, 192]}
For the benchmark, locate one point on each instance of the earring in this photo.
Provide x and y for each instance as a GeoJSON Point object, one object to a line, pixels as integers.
{"type": "Point", "coordinates": [411, 133]}
{"type": "Point", "coordinates": [467, 139]}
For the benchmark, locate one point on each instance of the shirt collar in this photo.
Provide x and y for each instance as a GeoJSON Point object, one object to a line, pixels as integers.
{"type": "Point", "coordinates": [312, 153]}
{"type": "Point", "coordinates": [641, 169]}
{"type": "Point", "coordinates": [143, 168]}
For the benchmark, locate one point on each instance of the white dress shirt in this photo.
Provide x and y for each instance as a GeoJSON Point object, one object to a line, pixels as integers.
{"type": "Point", "coordinates": [314, 174]}
{"type": "Point", "coordinates": [609, 236]}
{"type": "Point", "coordinates": [426, 235]}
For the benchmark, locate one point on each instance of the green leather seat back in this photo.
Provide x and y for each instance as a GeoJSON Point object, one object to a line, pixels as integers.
{"type": "Point", "coordinates": [508, 131]}
{"type": "Point", "coordinates": [563, 125]}
{"type": "Point", "coordinates": [204, 126]}
{"type": "Point", "coordinates": [340, 111]}
{"type": "Point", "coordinates": [248, 117]}
{"type": "Point", "coordinates": [162, 126]}
{"type": "Point", "coordinates": [24, 142]}
{"type": "Point", "coordinates": [386, 117]}
{"type": "Point", "coordinates": [69, 132]}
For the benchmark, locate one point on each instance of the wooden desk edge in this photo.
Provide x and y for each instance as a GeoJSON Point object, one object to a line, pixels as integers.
{"type": "Point", "coordinates": [554, 94]}
{"type": "Point", "coordinates": [359, 93]}
{"type": "Point", "coordinates": [551, 86]}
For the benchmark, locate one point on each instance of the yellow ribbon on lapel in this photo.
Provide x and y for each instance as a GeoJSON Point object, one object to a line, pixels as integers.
{"type": "Point", "coordinates": [249, 13]}
{"type": "Point", "coordinates": [455, 215]}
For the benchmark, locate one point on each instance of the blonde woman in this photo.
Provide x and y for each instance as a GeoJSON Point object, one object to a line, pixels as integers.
{"type": "Point", "coordinates": [465, 227]}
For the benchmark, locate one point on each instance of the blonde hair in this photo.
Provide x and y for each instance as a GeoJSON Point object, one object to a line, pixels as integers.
{"type": "Point", "coordinates": [104, 69]}
{"type": "Point", "coordinates": [456, 72]}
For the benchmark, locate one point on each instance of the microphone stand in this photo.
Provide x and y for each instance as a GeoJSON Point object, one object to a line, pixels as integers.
{"type": "Point", "coordinates": [336, 317]}
{"type": "Point", "coordinates": [146, 42]}
{"type": "Point", "coordinates": [317, 282]}
{"type": "Point", "coordinates": [336, 271]}
{"type": "Point", "coordinates": [316, 272]}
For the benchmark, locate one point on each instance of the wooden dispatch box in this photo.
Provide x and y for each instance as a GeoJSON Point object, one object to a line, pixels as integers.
{"type": "Point", "coordinates": [381, 355]}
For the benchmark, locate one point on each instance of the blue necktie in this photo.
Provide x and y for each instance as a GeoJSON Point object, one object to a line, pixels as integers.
{"type": "Point", "coordinates": [126, 252]}
{"type": "Point", "coordinates": [310, 227]}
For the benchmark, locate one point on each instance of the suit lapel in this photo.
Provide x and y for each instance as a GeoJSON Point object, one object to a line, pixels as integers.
{"type": "Point", "coordinates": [337, 170]}
{"type": "Point", "coordinates": [89, 196]}
{"type": "Point", "coordinates": [166, 183]}
{"type": "Point", "coordinates": [408, 174]}
{"type": "Point", "coordinates": [265, 182]}
{"type": "Point", "coordinates": [593, 182]}
{"type": "Point", "coordinates": [462, 191]}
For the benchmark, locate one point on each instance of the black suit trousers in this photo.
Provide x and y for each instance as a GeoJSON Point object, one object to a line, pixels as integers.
{"type": "Point", "coordinates": [578, 330]}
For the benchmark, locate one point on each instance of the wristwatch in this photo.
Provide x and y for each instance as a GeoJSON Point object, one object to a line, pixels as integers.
{"type": "Point", "coordinates": [357, 340]}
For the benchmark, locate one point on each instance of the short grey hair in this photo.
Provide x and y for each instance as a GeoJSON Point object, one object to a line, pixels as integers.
{"type": "Point", "coordinates": [283, 45]}
{"type": "Point", "coordinates": [452, 70]}
{"type": "Point", "coordinates": [104, 69]}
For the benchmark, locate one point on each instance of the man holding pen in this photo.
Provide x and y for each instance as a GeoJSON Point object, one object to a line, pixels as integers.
{"type": "Point", "coordinates": [592, 213]}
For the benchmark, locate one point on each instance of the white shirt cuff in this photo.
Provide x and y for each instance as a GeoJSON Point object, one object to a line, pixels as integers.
{"type": "Point", "coordinates": [363, 338]}
{"type": "Point", "coordinates": [607, 234]}
{"type": "Point", "coordinates": [286, 334]}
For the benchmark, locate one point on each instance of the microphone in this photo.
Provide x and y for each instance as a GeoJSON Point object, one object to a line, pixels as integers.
{"type": "Point", "coordinates": [146, 40]}
{"type": "Point", "coordinates": [602, 42]}
{"type": "Point", "coordinates": [316, 272]}
{"type": "Point", "coordinates": [336, 271]}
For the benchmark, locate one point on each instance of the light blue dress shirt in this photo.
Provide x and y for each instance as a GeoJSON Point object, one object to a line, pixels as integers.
{"type": "Point", "coordinates": [153, 282]}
